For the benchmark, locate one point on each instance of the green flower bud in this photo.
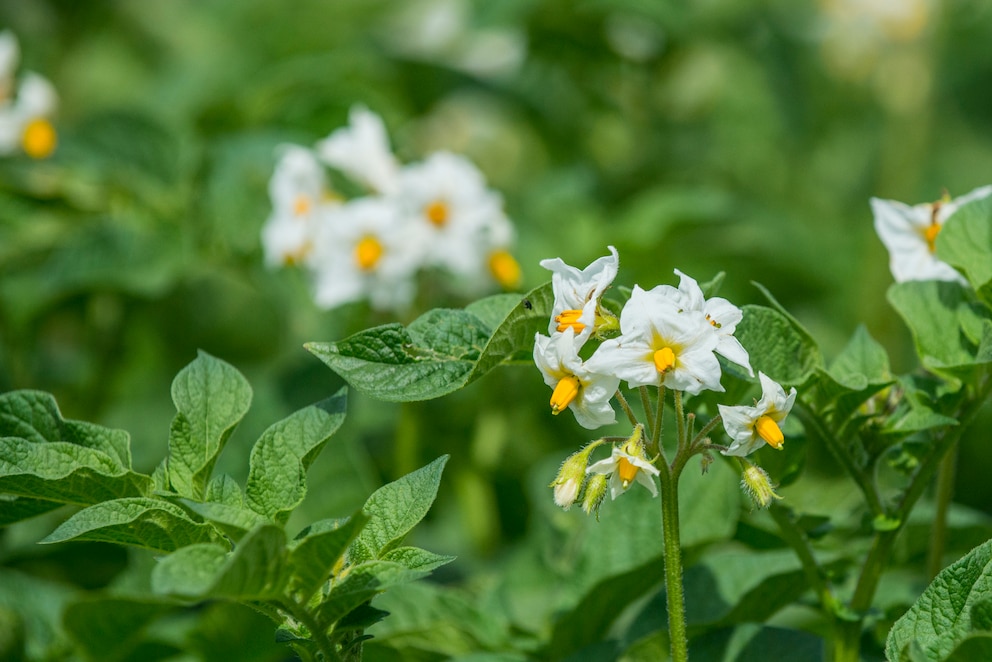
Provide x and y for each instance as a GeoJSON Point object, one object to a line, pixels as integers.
{"type": "Point", "coordinates": [755, 482]}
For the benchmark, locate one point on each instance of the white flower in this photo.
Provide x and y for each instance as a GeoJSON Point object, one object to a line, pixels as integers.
{"type": "Point", "coordinates": [910, 234]}
{"type": "Point", "coordinates": [446, 196]}
{"type": "Point", "coordinates": [660, 345]}
{"type": "Point", "coordinates": [298, 190]}
{"type": "Point", "coordinates": [624, 469]}
{"type": "Point", "coordinates": [750, 428]}
{"type": "Point", "coordinates": [497, 238]}
{"type": "Point", "coordinates": [363, 249]}
{"type": "Point", "coordinates": [361, 151]}
{"type": "Point", "coordinates": [587, 393]}
{"type": "Point", "coordinates": [25, 122]}
{"type": "Point", "coordinates": [720, 313]}
{"type": "Point", "coordinates": [577, 293]}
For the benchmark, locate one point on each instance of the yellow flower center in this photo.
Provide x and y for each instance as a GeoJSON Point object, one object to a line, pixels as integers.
{"type": "Point", "coordinates": [301, 206]}
{"type": "Point", "coordinates": [664, 359]}
{"type": "Point", "coordinates": [39, 138]}
{"type": "Point", "coordinates": [769, 430]}
{"type": "Point", "coordinates": [930, 234]}
{"type": "Point", "coordinates": [566, 391]}
{"type": "Point", "coordinates": [569, 318]}
{"type": "Point", "coordinates": [368, 251]}
{"type": "Point", "coordinates": [437, 213]}
{"type": "Point", "coordinates": [505, 269]}
{"type": "Point", "coordinates": [627, 471]}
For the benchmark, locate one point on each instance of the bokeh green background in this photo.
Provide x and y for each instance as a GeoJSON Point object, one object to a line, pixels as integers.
{"type": "Point", "coordinates": [713, 135]}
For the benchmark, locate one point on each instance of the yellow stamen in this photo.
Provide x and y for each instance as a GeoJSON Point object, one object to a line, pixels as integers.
{"type": "Point", "coordinates": [437, 213]}
{"type": "Point", "coordinates": [930, 234]}
{"type": "Point", "coordinates": [569, 318]}
{"type": "Point", "coordinates": [367, 253]}
{"type": "Point", "coordinates": [566, 391]}
{"type": "Point", "coordinates": [713, 322]}
{"type": "Point", "coordinates": [664, 359]}
{"type": "Point", "coordinates": [39, 138]}
{"type": "Point", "coordinates": [769, 430]}
{"type": "Point", "coordinates": [627, 471]}
{"type": "Point", "coordinates": [504, 269]}
{"type": "Point", "coordinates": [301, 206]}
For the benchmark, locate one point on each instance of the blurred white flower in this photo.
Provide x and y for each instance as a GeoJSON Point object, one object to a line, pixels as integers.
{"type": "Point", "coordinates": [577, 293]}
{"type": "Point", "coordinates": [299, 194]}
{"type": "Point", "coordinates": [587, 393]}
{"type": "Point", "coordinates": [910, 234]}
{"type": "Point", "coordinates": [361, 151]}
{"type": "Point", "coordinates": [25, 118]}
{"type": "Point", "coordinates": [10, 54]}
{"type": "Point", "coordinates": [659, 345]}
{"type": "Point", "coordinates": [750, 428]}
{"type": "Point", "coordinates": [720, 313]}
{"type": "Point", "coordinates": [363, 249]}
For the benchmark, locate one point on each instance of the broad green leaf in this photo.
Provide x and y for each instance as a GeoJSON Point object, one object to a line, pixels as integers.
{"type": "Point", "coordinates": [863, 361]}
{"type": "Point", "coordinates": [440, 352]}
{"type": "Point", "coordinates": [141, 522]}
{"type": "Point", "coordinates": [396, 508]}
{"type": "Point", "coordinates": [16, 509]}
{"type": "Point", "coordinates": [35, 416]}
{"type": "Point", "coordinates": [965, 243]}
{"type": "Point", "coordinates": [65, 473]}
{"type": "Point", "coordinates": [415, 558]}
{"type": "Point", "coordinates": [255, 570]}
{"type": "Point", "coordinates": [279, 460]}
{"type": "Point", "coordinates": [111, 628]}
{"type": "Point", "coordinates": [225, 490]}
{"type": "Point", "coordinates": [362, 583]}
{"type": "Point", "coordinates": [210, 396]}
{"type": "Point", "coordinates": [950, 610]}
{"type": "Point", "coordinates": [314, 553]}
{"type": "Point", "coordinates": [709, 504]}
{"type": "Point", "coordinates": [777, 345]}
{"type": "Point", "coordinates": [935, 311]}
{"type": "Point", "coordinates": [973, 648]}
{"type": "Point", "coordinates": [234, 521]}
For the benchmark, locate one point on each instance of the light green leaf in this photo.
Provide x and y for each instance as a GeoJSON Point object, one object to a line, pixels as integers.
{"type": "Point", "coordinates": [223, 489]}
{"type": "Point", "coordinates": [863, 361]}
{"type": "Point", "coordinates": [279, 460]}
{"type": "Point", "coordinates": [35, 416]}
{"type": "Point", "coordinates": [141, 522]}
{"type": "Point", "coordinates": [440, 352]}
{"type": "Point", "coordinates": [255, 570]}
{"type": "Point", "coordinates": [16, 509]}
{"type": "Point", "coordinates": [777, 345]}
{"type": "Point", "coordinates": [111, 628]}
{"type": "Point", "coordinates": [234, 521]}
{"type": "Point", "coordinates": [362, 583]}
{"type": "Point", "coordinates": [211, 397]}
{"type": "Point", "coordinates": [950, 610]}
{"type": "Point", "coordinates": [415, 558]}
{"type": "Point", "coordinates": [965, 243]}
{"type": "Point", "coordinates": [317, 549]}
{"type": "Point", "coordinates": [65, 472]}
{"type": "Point", "coordinates": [396, 508]}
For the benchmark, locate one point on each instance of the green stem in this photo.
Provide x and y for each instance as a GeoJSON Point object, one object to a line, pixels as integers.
{"type": "Point", "coordinates": [680, 421]}
{"type": "Point", "coordinates": [796, 538]}
{"type": "Point", "coordinates": [673, 565]}
{"type": "Point", "coordinates": [648, 413]}
{"type": "Point", "coordinates": [713, 422]}
{"type": "Point", "coordinates": [659, 420]}
{"type": "Point", "coordinates": [626, 408]}
{"type": "Point", "coordinates": [945, 492]}
{"type": "Point", "coordinates": [303, 616]}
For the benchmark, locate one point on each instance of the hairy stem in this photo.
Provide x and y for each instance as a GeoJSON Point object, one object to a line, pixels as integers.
{"type": "Point", "coordinates": [673, 566]}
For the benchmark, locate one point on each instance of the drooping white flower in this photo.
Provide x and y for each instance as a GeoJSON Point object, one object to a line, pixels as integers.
{"type": "Point", "coordinates": [586, 392]}
{"type": "Point", "coordinates": [577, 293]}
{"type": "Point", "coordinates": [661, 345]}
{"type": "Point", "coordinates": [720, 313]}
{"type": "Point", "coordinates": [750, 428]}
{"type": "Point", "coordinates": [447, 197]}
{"type": "Point", "coordinates": [624, 469]}
{"type": "Point", "coordinates": [361, 151]}
{"type": "Point", "coordinates": [363, 249]}
{"type": "Point", "coordinates": [910, 234]}
{"type": "Point", "coordinates": [299, 194]}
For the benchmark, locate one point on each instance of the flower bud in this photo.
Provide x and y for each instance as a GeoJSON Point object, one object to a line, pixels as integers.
{"type": "Point", "coordinates": [570, 477]}
{"type": "Point", "coordinates": [595, 493]}
{"type": "Point", "coordinates": [755, 482]}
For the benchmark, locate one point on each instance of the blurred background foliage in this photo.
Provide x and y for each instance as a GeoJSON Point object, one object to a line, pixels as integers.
{"type": "Point", "coordinates": [712, 135]}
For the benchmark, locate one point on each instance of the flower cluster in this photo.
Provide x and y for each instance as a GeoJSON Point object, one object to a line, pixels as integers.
{"type": "Point", "coordinates": [27, 103]}
{"type": "Point", "coordinates": [666, 338]}
{"type": "Point", "coordinates": [435, 214]}
{"type": "Point", "coordinates": [910, 234]}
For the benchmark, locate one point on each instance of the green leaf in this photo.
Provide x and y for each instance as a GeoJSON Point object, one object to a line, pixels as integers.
{"type": "Point", "coordinates": [35, 416]}
{"type": "Point", "coordinates": [111, 628]}
{"type": "Point", "coordinates": [234, 521]}
{"type": "Point", "coordinates": [223, 489]}
{"type": "Point", "coordinates": [974, 647]}
{"type": "Point", "coordinates": [65, 473]}
{"type": "Point", "coordinates": [965, 243]}
{"type": "Point", "coordinates": [211, 397]}
{"type": "Point", "coordinates": [441, 351]}
{"type": "Point", "coordinates": [317, 549]}
{"type": "Point", "coordinates": [863, 361]}
{"type": "Point", "coordinates": [396, 508]}
{"type": "Point", "coordinates": [777, 345]}
{"type": "Point", "coordinates": [362, 583]}
{"type": "Point", "coordinates": [141, 522]}
{"type": "Point", "coordinates": [415, 558]}
{"type": "Point", "coordinates": [945, 615]}
{"type": "Point", "coordinates": [255, 570]}
{"type": "Point", "coordinates": [279, 460]}
{"type": "Point", "coordinates": [16, 509]}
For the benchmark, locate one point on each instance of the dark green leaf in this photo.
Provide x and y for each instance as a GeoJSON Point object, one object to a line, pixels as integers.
{"type": "Point", "coordinates": [111, 628]}
{"type": "Point", "coordinates": [313, 555]}
{"type": "Point", "coordinates": [363, 582]}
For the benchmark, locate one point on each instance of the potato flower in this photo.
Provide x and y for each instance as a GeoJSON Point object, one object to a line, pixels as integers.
{"type": "Point", "coordinates": [25, 117]}
{"type": "Point", "coordinates": [577, 293]}
{"type": "Point", "coordinates": [299, 193]}
{"type": "Point", "coordinates": [586, 392]}
{"type": "Point", "coordinates": [361, 151]}
{"type": "Point", "coordinates": [750, 428]}
{"type": "Point", "coordinates": [625, 466]}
